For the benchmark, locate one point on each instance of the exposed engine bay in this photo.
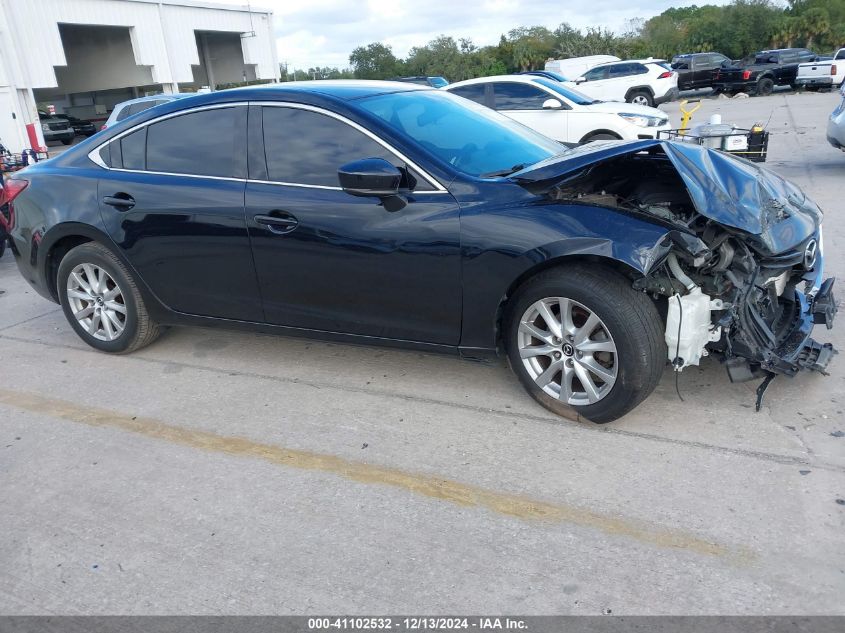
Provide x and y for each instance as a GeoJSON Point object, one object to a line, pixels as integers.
{"type": "Point", "coordinates": [724, 289]}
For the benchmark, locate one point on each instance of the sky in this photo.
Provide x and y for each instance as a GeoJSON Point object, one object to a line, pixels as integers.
{"type": "Point", "coordinates": [324, 32]}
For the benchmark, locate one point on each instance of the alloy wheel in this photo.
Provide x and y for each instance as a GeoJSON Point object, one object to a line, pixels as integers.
{"type": "Point", "coordinates": [96, 302]}
{"type": "Point", "coordinates": [567, 350]}
{"type": "Point", "coordinates": [640, 100]}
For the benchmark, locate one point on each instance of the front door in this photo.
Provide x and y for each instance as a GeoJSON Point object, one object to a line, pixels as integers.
{"type": "Point", "coordinates": [333, 262]}
{"type": "Point", "coordinates": [172, 200]}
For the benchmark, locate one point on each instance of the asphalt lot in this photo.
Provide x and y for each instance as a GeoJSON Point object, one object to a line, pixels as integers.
{"type": "Point", "coordinates": [224, 472]}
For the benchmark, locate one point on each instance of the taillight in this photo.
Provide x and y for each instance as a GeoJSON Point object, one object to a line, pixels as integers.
{"type": "Point", "coordinates": [665, 75]}
{"type": "Point", "coordinates": [833, 69]}
{"type": "Point", "coordinates": [746, 75]}
{"type": "Point", "coordinates": [11, 189]}
{"type": "Point", "coordinates": [8, 192]}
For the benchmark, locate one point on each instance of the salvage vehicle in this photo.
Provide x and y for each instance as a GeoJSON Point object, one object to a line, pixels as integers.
{"type": "Point", "coordinates": [760, 75]}
{"type": "Point", "coordinates": [696, 70]}
{"type": "Point", "coordinates": [822, 74]}
{"type": "Point", "coordinates": [836, 123]}
{"type": "Point", "coordinates": [388, 213]}
{"type": "Point", "coordinates": [561, 112]}
{"type": "Point", "coordinates": [55, 129]}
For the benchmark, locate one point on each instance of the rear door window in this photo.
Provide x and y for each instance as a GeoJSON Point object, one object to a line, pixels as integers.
{"type": "Point", "coordinates": [203, 143]}
{"type": "Point", "coordinates": [131, 150]}
{"type": "Point", "coordinates": [516, 96]}
{"type": "Point", "coordinates": [473, 92]}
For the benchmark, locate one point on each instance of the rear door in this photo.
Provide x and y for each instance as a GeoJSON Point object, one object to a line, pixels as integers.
{"type": "Point", "coordinates": [330, 261]}
{"type": "Point", "coordinates": [173, 201]}
{"type": "Point", "coordinates": [524, 103]}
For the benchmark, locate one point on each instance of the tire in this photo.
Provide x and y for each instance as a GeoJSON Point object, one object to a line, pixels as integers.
{"type": "Point", "coordinates": [600, 136]}
{"type": "Point", "coordinates": [138, 329]}
{"type": "Point", "coordinates": [765, 87]}
{"type": "Point", "coordinates": [67, 141]}
{"type": "Point", "coordinates": [2, 246]}
{"type": "Point", "coordinates": [641, 97]}
{"type": "Point", "coordinates": [628, 321]}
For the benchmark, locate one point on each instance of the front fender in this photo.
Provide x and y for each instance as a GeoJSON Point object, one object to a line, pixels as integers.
{"type": "Point", "coordinates": [502, 248]}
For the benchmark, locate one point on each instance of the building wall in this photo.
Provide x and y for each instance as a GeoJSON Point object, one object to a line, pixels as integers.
{"type": "Point", "coordinates": [162, 35]}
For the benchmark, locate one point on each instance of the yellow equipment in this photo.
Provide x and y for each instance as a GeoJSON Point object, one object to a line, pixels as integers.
{"type": "Point", "coordinates": [686, 115]}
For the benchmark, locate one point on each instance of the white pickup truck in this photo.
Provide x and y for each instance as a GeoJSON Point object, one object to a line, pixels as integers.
{"type": "Point", "coordinates": [827, 74]}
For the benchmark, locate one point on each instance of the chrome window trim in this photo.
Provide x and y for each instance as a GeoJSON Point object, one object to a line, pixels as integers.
{"type": "Point", "coordinates": [94, 154]}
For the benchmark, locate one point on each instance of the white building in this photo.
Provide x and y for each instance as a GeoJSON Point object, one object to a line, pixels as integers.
{"type": "Point", "coordinates": [85, 56]}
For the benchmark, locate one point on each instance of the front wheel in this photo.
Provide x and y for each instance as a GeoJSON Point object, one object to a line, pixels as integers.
{"type": "Point", "coordinates": [583, 342]}
{"type": "Point", "coordinates": [101, 301]}
{"type": "Point", "coordinates": [67, 141]}
{"type": "Point", "coordinates": [600, 136]}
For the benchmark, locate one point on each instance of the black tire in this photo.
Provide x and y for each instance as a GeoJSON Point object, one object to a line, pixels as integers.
{"type": "Point", "coordinates": [630, 317]}
{"type": "Point", "coordinates": [2, 245]}
{"type": "Point", "coordinates": [67, 141]}
{"type": "Point", "coordinates": [600, 136]}
{"type": "Point", "coordinates": [139, 329]}
{"type": "Point", "coordinates": [649, 100]}
{"type": "Point", "coordinates": [765, 87]}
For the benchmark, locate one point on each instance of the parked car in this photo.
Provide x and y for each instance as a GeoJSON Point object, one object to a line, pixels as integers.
{"type": "Point", "coordinates": [823, 74]}
{"type": "Point", "coordinates": [696, 70]}
{"type": "Point", "coordinates": [561, 112]}
{"type": "Point", "coordinates": [56, 129]}
{"type": "Point", "coordinates": [646, 82]}
{"type": "Point", "coordinates": [80, 127]}
{"type": "Point", "coordinates": [760, 74]}
{"type": "Point", "coordinates": [836, 123]}
{"type": "Point", "coordinates": [434, 82]}
{"type": "Point", "coordinates": [380, 212]}
{"type": "Point", "coordinates": [576, 66]}
{"type": "Point", "coordinates": [134, 106]}
{"type": "Point", "coordinates": [548, 74]}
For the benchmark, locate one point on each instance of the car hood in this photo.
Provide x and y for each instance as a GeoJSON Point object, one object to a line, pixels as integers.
{"type": "Point", "coordinates": [729, 190]}
{"type": "Point", "coordinates": [615, 107]}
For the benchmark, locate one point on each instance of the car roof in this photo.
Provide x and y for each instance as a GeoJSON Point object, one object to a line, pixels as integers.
{"type": "Point", "coordinates": [522, 79]}
{"type": "Point", "coordinates": [342, 89]}
{"type": "Point", "coordinates": [650, 60]}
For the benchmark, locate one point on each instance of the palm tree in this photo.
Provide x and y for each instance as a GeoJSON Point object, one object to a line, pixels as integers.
{"type": "Point", "coordinates": [816, 23]}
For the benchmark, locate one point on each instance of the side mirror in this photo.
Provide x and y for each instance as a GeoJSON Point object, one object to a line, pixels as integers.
{"type": "Point", "coordinates": [373, 177]}
{"type": "Point", "coordinates": [580, 80]}
{"type": "Point", "coordinates": [552, 104]}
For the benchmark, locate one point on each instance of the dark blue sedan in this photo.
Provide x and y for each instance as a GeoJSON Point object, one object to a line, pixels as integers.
{"type": "Point", "coordinates": [394, 214]}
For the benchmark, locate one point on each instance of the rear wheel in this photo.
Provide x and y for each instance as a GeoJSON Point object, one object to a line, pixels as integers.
{"type": "Point", "coordinates": [641, 97]}
{"type": "Point", "coordinates": [583, 342]}
{"type": "Point", "coordinates": [765, 87]}
{"type": "Point", "coordinates": [101, 301]}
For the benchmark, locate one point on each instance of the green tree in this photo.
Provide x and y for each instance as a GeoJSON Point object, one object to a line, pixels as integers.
{"type": "Point", "coordinates": [374, 61]}
{"type": "Point", "coordinates": [815, 24]}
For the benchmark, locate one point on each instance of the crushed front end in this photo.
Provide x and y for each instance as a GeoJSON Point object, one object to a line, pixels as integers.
{"type": "Point", "coordinates": [740, 271]}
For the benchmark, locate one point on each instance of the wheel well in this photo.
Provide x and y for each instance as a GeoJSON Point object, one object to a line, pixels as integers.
{"type": "Point", "coordinates": [594, 132]}
{"type": "Point", "coordinates": [639, 89]}
{"type": "Point", "coordinates": [55, 255]}
{"type": "Point", "coordinates": [594, 260]}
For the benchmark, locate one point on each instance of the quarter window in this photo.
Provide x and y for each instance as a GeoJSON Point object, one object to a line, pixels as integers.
{"type": "Point", "coordinates": [307, 148]}
{"type": "Point", "coordinates": [514, 96]}
{"type": "Point", "coordinates": [200, 143]}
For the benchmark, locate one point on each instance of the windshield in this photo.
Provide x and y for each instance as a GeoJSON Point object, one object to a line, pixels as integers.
{"type": "Point", "coordinates": [573, 95]}
{"type": "Point", "coordinates": [470, 137]}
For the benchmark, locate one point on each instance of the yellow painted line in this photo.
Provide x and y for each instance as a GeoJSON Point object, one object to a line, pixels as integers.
{"type": "Point", "coordinates": [449, 490]}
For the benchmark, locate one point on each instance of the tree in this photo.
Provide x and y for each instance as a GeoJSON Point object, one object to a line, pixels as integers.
{"type": "Point", "coordinates": [815, 24]}
{"type": "Point", "coordinates": [374, 61]}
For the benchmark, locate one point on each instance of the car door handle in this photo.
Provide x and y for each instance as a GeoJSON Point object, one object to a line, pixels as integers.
{"type": "Point", "coordinates": [279, 224]}
{"type": "Point", "coordinates": [120, 201]}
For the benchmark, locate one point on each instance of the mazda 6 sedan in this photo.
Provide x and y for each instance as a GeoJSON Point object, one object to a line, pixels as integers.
{"type": "Point", "coordinates": [397, 214]}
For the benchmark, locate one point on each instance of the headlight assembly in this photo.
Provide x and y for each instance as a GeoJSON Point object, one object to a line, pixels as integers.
{"type": "Point", "coordinates": [642, 120]}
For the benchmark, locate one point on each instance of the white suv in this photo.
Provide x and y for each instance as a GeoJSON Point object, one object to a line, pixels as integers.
{"type": "Point", "coordinates": [560, 112]}
{"type": "Point", "coordinates": [645, 82]}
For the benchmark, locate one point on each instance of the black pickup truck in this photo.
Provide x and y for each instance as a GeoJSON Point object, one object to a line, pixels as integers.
{"type": "Point", "coordinates": [696, 70]}
{"type": "Point", "coordinates": [762, 73]}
